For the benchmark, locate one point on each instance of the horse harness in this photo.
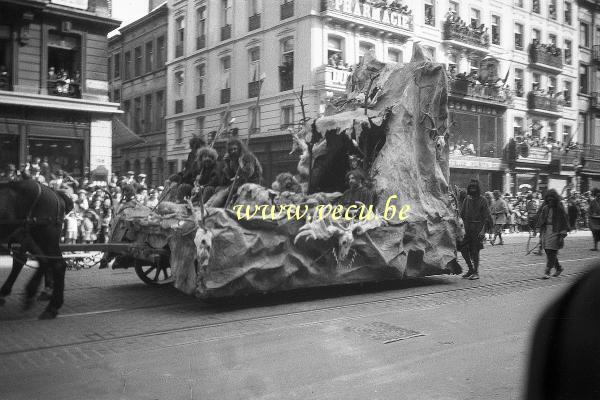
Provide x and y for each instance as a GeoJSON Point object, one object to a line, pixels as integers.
{"type": "Point", "coordinates": [30, 220]}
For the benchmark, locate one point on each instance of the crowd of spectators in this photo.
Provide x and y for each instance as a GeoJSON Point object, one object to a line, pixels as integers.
{"type": "Point", "coordinates": [456, 28]}
{"type": "Point", "coordinates": [94, 201]}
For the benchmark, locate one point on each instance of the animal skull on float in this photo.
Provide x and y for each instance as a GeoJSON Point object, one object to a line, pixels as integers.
{"type": "Point", "coordinates": [202, 240]}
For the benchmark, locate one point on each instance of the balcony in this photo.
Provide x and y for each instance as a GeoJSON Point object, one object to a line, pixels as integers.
{"type": "Point", "coordinates": [179, 50]}
{"type": "Point", "coordinates": [485, 94]}
{"type": "Point", "coordinates": [332, 78]}
{"type": "Point", "coordinates": [200, 101]}
{"type": "Point", "coordinates": [457, 34]}
{"type": "Point", "coordinates": [226, 32]}
{"type": "Point", "coordinates": [64, 89]}
{"type": "Point", "coordinates": [567, 157]}
{"type": "Point", "coordinates": [596, 53]}
{"type": "Point", "coordinates": [372, 18]}
{"type": "Point", "coordinates": [287, 10]}
{"type": "Point", "coordinates": [254, 22]}
{"type": "Point", "coordinates": [595, 100]}
{"type": "Point", "coordinates": [178, 107]}
{"type": "Point", "coordinates": [200, 42]}
{"type": "Point", "coordinates": [543, 104]}
{"type": "Point", "coordinates": [546, 57]}
{"type": "Point", "coordinates": [225, 95]}
{"type": "Point", "coordinates": [253, 89]}
{"type": "Point", "coordinates": [591, 152]}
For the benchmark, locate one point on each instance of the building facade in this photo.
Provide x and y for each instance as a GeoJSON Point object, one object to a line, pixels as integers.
{"type": "Point", "coordinates": [137, 78]}
{"type": "Point", "coordinates": [512, 65]}
{"type": "Point", "coordinates": [53, 85]}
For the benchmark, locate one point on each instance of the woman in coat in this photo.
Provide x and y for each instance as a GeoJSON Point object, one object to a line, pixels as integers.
{"type": "Point", "coordinates": [553, 224]}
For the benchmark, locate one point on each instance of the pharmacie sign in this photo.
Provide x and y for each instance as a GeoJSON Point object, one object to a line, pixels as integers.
{"type": "Point", "coordinates": [371, 12]}
{"type": "Point", "coordinates": [81, 4]}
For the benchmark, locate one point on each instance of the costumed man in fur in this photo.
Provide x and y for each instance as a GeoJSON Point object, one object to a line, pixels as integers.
{"type": "Point", "coordinates": [238, 162]}
{"type": "Point", "coordinates": [476, 216]}
{"type": "Point", "coordinates": [210, 175]}
{"type": "Point", "coordinates": [188, 175]}
{"type": "Point", "coordinates": [357, 193]}
{"type": "Point", "coordinates": [286, 182]}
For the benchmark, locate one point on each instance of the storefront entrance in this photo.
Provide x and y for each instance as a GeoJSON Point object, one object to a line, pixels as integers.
{"type": "Point", "coordinates": [60, 154]}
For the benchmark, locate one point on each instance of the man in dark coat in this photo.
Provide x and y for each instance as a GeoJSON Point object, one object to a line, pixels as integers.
{"type": "Point", "coordinates": [240, 161]}
{"type": "Point", "coordinates": [476, 217]}
{"type": "Point", "coordinates": [358, 193]}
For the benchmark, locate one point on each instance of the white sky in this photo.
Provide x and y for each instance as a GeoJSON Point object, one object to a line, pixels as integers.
{"type": "Point", "coordinates": [129, 10]}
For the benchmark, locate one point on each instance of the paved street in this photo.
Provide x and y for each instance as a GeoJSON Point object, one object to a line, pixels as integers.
{"type": "Point", "coordinates": [432, 338]}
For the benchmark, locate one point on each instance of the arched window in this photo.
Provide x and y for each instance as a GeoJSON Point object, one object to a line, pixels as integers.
{"type": "Point", "coordinates": [148, 171]}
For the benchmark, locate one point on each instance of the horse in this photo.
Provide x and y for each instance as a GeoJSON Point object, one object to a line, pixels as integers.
{"type": "Point", "coordinates": [32, 215]}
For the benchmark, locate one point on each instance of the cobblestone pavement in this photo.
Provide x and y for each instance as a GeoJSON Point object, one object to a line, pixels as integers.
{"type": "Point", "coordinates": [110, 313]}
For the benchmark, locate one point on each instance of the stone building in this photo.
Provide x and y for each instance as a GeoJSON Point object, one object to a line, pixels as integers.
{"type": "Point", "coordinates": [511, 62]}
{"type": "Point", "coordinates": [53, 85]}
{"type": "Point", "coordinates": [138, 81]}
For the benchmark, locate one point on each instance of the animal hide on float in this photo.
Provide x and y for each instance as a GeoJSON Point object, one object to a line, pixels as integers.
{"type": "Point", "coordinates": [266, 255]}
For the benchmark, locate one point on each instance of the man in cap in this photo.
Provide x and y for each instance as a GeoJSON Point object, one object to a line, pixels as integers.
{"type": "Point", "coordinates": [475, 214]}
{"type": "Point", "coordinates": [142, 181]}
{"type": "Point", "coordinates": [130, 180]}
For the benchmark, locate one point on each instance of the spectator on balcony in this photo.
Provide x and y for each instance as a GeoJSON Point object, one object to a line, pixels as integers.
{"type": "Point", "coordinates": [4, 78]}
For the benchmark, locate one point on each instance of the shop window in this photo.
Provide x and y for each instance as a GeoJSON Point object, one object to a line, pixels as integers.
{"type": "Point", "coordinates": [65, 154]}
{"type": "Point", "coordinates": [64, 65]}
{"type": "Point", "coordinates": [6, 63]}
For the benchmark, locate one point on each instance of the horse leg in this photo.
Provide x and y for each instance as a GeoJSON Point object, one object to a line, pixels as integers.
{"type": "Point", "coordinates": [17, 266]}
{"type": "Point", "coordinates": [34, 284]}
{"type": "Point", "coordinates": [48, 286]}
{"type": "Point", "coordinates": [56, 300]}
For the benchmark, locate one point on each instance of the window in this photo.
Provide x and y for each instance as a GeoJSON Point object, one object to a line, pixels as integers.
{"type": "Point", "coordinates": [536, 35]}
{"type": "Point", "coordinates": [148, 113]}
{"type": "Point", "coordinates": [552, 131]}
{"type": "Point", "coordinates": [518, 36]}
{"type": "Point", "coordinates": [226, 72]}
{"type": "Point", "coordinates": [200, 126]}
{"type": "Point", "coordinates": [226, 12]}
{"type": "Point", "coordinates": [566, 134]}
{"type": "Point", "coordinates": [201, 74]}
{"type": "Point", "coordinates": [519, 82]}
{"type": "Point", "coordinates": [149, 56]}
{"type": "Point", "coordinates": [287, 116]}
{"type": "Point", "coordinates": [429, 12]}
{"type": "Point", "coordinates": [584, 79]}
{"type": "Point", "coordinates": [286, 70]}
{"type": "Point", "coordinates": [568, 93]}
{"type": "Point", "coordinates": [201, 28]}
{"type": "Point", "coordinates": [535, 81]}
{"type": "Point", "coordinates": [117, 96]}
{"type": "Point", "coordinates": [454, 7]}
{"type": "Point", "coordinates": [127, 113]}
{"type": "Point", "coordinates": [6, 58]}
{"type": "Point", "coordinates": [552, 14]}
{"type": "Point", "coordinates": [552, 39]}
{"type": "Point", "coordinates": [568, 52]}
{"type": "Point", "coordinates": [568, 11]}
{"type": "Point", "coordinates": [518, 126]}
{"type": "Point", "coordinates": [335, 52]}
{"type": "Point", "coordinates": [584, 34]}
{"type": "Point", "coordinates": [519, 3]}
{"type": "Point", "coordinates": [552, 85]}
{"type": "Point", "coordinates": [255, 7]}
{"type": "Point", "coordinates": [253, 119]}
{"type": "Point", "coordinates": [160, 52]}
{"type": "Point", "coordinates": [364, 48]}
{"type": "Point", "coordinates": [137, 115]}
{"type": "Point", "coordinates": [179, 78]}
{"type": "Point", "coordinates": [286, 9]}
{"type": "Point", "coordinates": [138, 61]}
{"type": "Point", "coordinates": [179, 36]}
{"type": "Point", "coordinates": [535, 6]}
{"type": "Point", "coordinates": [394, 56]}
{"type": "Point", "coordinates": [475, 17]}
{"type": "Point", "coordinates": [254, 64]}
{"type": "Point", "coordinates": [178, 131]}
{"type": "Point", "coordinates": [117, 66]}
{"type": "Point", "coordinates": [109, 68]}
{"type": "Point", "coordinates": [160, 110]}
{"type": "Point", "coordinates": [64, 61]}
{"type": "Point", "coordinates": [495, 29]}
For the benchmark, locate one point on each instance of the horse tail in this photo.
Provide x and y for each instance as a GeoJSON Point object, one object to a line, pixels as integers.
{"type": "Point", "coordinates": [67, 199]}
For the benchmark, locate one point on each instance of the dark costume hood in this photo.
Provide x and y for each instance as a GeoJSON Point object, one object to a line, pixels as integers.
{"type": "Point", "coordinates": [474, 184]}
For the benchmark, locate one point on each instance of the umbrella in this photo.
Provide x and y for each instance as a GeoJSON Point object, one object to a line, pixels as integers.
{"type": "Point", "coordinates": [525, 185]}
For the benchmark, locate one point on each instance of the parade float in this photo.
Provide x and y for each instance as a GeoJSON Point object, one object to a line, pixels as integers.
{"type": "Point", "coordinates": [395, 116]}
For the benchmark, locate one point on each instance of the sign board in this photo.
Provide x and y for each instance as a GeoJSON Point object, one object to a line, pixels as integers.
{"type": "Point", "coordinates": [81, 4]}
{"type": "Point", "coordinates": [358, 8]}
{"type": "Point", "coordinates": [482, 163]}
{"type": "Point", "coordinates": [96, 85]}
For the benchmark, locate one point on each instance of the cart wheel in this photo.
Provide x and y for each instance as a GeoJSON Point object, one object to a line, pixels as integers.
{"type": "Point", "coordinates": [153, 274]}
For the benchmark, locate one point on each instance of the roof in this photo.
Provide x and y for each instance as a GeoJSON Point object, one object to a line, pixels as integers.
{"type": "Point", "coordinates": [122, 135]}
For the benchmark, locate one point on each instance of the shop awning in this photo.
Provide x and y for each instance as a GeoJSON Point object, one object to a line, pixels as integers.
{"type": "Point", "coordinates": [122, 135]}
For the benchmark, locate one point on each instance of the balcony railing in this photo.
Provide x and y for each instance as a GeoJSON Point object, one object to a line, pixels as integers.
{"type": "Point", "coordinates": [465, 34]}
{"type": "Point", "coordinates": [591, 152]}
{"type": "Point", "coordinates": [200, 101]}
{"type": "Point", "coordinates": [225, 95]}
{"type": "Point", "coordinates": [484, 93]}
{"type": "Point", "coordinates": [64, 89]}
{"type": "Point", "coordinates": [254, 22]}
{"type": "Point", "coordinates": [541, 102]}
{"type": "Point", "coordinates": [253, 89]}
{"type": "Point", "coordinates": [549, 55]}
{"type": "Point", "coordinates": [178, 106]}
{"type": "Point", "coordinates": [567, 157]}
{"type": "Point", "coordinates": [334, 77]}
{"type": "Point", "coordinates": [596, 53]}
{"type": "Point", "coordinates": [178, 50]}
{"type": "Point", "coordinates": [287, 10]}
{"type": "Point", "coordinates": [200, 42]}
{"type": "Point", "coordinates": [226, 32]}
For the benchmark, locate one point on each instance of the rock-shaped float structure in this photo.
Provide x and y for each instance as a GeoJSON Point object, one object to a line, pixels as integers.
{"type": "Point", "coordinates": [402, 137]}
